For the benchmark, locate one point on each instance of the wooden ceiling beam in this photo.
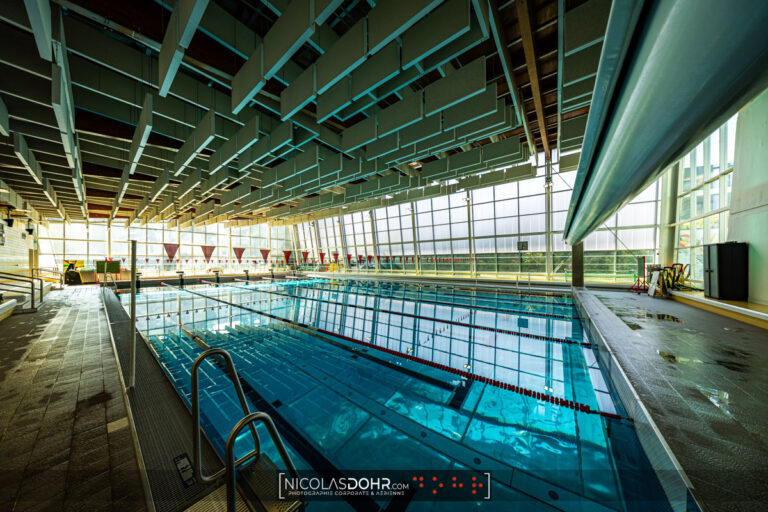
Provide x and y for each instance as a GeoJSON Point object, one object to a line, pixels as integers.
{"type": "Point", "coordinates": [506, 63]}
{"type": "Point", "coordinates": [526, 33]}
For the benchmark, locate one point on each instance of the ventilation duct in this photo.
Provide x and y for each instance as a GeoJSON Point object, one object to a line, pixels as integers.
{"type": "Point", "coordinates": [670, 73]}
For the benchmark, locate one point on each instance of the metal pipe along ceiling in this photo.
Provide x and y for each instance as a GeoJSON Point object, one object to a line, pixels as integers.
{"type": "Point", "coordinates": [687, 67]}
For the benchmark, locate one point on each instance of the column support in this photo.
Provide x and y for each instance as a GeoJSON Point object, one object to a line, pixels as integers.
{"type": "Point", "coordinates": [472, 262]}
{"type": "Point", "coordinates": [577, 265]}
{"type": "Point", "coordinates": [416, 253]}
{"type": "Point", "coordinates": [667, 244]}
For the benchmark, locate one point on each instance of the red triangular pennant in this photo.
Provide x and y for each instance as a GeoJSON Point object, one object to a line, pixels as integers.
{"type": "Point", "coordinates": [170, 250]}
{"type": "Point", "coordinates": [322, 257]}
{"type": "Point", "coordinates": [208, 251]}
{"type": "Point", "coordinates": [305, 254]}
{"type": "Point", "coordinates": [264, 254]}
{"type": "Point", "coordinates": [239, 253]}
{"type": "Point", "coordinates": [287, 255]}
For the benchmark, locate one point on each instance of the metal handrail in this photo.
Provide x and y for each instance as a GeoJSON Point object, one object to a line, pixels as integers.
{"type": "Point", "coordinates": [57, 273]}
{"type": "Point", "coordinates": [230, 455]}
{"type": "Point", "coordinates": [196, 413]}
{"type": "Point", "coordinates": [18, 277]}
{"type": "Point", "coordinates": [25, 279]}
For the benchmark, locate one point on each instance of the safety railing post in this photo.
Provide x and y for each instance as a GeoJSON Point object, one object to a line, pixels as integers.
{"type": "Point", "coordinates": [32, 293]}
{"type": "Point", "coordinates": [132, 357]}
{"type": "Point", "coordinates": [41, 291]}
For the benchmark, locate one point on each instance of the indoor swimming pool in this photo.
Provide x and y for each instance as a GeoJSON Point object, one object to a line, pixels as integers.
{"type": "Point", "coordinates": [411, 378]}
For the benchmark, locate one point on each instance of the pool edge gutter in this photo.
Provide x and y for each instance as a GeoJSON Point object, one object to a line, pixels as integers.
{"type": "Point", "coordinates": [677, 486]}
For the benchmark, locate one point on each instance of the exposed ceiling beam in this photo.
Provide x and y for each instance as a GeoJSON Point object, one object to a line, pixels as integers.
{"type": "Point", "coordinates": [4, 128]}
{"type": "Point", "coordinates": [526, 32]}
{"type": "Point", "coordinates": [181, 27]}
{"type": "Point", "coordinates": [506, 63]}
{"type": "Point", "coordinates": [39, 13]}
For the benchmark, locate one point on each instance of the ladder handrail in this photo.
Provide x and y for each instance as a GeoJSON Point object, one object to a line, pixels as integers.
{"type": "Point", "coordinates": [195, 398]}
{"type": "Point", "coordinates": [230, 455]}
{"type": "Point", "coordinates": [109, 277]}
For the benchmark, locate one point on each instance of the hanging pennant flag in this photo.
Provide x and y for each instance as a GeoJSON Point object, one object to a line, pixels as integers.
{"type": "Point", "coordinates": [359, 258]}
{"type": "Point", "coordinates": [386, 259]}
{"type": "Point", "coordinates": [208, 251]}
{"type": "Point", "coordinates": [370, 259]}
{"type": "Point", "coordinates": [322, 258]}
{"type": "Point", "coordinates": [264, 254]}
{"type": "Point", "coordinates": [287, 255]}
{"type": "Point", "coordinates": [239, 253]}
{"type": "Point", "coordinates": [349, 260]}
{"type": "Point", "coordinates": [378, 259]}
{"type": "Point", "coordinates": [305, 255]}
{"type": "Point", "coordinates": [146, 260]}
{"type": "Point", "coordinates": [170, 250]}
{"type": "Point", "coordinates": [335, 257]}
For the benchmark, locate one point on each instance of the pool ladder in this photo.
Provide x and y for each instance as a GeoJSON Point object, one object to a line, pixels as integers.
{"type": "Point", "coordinates": [260, 464]}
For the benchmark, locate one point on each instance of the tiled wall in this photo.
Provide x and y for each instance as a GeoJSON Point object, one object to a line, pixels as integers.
{"type": "Point", "coordinates": [14, 252]}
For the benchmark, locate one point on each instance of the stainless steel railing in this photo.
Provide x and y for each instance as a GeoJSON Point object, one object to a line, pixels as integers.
{"type": "Point", "coordinates": [248, 420]}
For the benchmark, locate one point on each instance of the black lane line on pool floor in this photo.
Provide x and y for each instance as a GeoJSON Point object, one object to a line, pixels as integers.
{"type": "Point", "coordinates": [419, 317]}
{"type": "Point", "coordinates": [537, 395]}
{"type": "Point", "coordinates": [487, 295]}
{"type": "Point", "coordinates": [448, 304]}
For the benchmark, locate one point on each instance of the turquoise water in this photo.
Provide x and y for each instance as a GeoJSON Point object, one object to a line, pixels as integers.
{"type": "Point", "coordinates": [365, 375]}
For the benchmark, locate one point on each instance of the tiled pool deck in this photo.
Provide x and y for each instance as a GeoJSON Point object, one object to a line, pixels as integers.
{"type": "Point", "coordinates": [65, 440]}
{"type": "Point", "coordinates": [701, 378]}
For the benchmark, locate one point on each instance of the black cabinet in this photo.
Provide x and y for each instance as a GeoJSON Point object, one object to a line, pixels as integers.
{"type": "Point", "coordinates": [726, 268]}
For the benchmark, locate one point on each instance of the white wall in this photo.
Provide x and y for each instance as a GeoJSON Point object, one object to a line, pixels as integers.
{"type": "Point", "coordinates": [748, 220]}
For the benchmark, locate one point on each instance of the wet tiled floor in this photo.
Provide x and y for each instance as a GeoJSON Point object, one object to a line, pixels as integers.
{"type": "Point", "coordinates": [703, 379]}
{"type": "Point", "coordinates": [65, 443]}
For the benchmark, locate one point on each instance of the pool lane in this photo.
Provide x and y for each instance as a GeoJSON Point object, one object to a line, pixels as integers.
{"type": "Point", "coordinates": [450, 291]}
{"type": "Point", "coordinates": [418, 317]}
{"type": "Point", "coordinates": [565, 311]}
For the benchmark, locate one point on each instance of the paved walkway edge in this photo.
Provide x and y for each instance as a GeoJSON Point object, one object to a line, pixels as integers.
{"type": "Point", "coordinates": [603, 328]}
{"type": "Point", "coordinates": [136, 446]}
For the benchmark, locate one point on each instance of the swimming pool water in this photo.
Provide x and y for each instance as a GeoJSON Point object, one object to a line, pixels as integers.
{"type": "Point", "coordinates": [394, 376]}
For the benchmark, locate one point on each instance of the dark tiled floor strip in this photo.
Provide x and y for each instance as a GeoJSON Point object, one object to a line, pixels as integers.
{"type": "Point", "coordinates": [65, 441]}
{"type": "Point", "coordinates": [702, 377]}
